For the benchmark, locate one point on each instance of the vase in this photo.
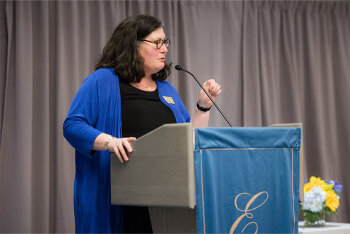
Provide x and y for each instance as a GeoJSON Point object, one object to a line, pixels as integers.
{"type": "Point", "coordinates": [314, 219]}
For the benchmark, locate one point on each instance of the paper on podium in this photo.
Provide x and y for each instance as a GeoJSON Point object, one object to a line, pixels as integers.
{"type": "Point", "coordinates": [160, 170]}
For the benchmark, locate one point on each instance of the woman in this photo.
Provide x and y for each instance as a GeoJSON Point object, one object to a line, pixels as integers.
{"type": "Point", "coordinates": [126, 97]}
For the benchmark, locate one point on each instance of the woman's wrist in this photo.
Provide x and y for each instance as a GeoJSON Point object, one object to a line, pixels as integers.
{"type": "Point", "coordinates": [202, 108]}
{"type": "Point", "coordinates": [107, 141]}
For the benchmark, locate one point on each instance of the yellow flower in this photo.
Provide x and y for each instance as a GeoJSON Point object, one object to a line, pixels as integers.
{"type": "Point", "coordinates": [307, 187]}
{"type": "Point", "coordinates": [317, 182]}
{"type": "Point", "coordinates": [332, 201]}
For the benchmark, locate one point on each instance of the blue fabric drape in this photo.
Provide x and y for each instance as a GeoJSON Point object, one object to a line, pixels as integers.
{"type": "Point", "coordinates": [247, 179]}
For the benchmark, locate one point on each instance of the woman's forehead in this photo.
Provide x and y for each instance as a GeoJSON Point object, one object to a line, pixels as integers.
{"type": "Point", "coordinates": [157, 34]}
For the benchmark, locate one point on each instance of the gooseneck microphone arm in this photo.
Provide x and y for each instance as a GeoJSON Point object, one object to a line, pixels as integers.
{"type": "Point", "coordinates": [179, 68]}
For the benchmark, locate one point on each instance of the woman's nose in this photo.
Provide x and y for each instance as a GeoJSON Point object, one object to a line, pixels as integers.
{"type": "Point", "coordinates": [163, 49]}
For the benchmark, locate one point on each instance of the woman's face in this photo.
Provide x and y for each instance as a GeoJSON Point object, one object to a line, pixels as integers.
{"type": "Point", "coordinates": [154, 58]}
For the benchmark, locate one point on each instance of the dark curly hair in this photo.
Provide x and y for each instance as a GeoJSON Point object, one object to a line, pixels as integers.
{"type": "Point", "coordinates": [121, 51]}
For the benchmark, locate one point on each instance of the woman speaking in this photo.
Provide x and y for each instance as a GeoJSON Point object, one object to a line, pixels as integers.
{"type": "Point", "coordinates": [126, 97]}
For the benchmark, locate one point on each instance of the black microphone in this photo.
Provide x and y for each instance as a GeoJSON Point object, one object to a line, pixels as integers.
{"type": "Point", "coordinates": [179, 68]}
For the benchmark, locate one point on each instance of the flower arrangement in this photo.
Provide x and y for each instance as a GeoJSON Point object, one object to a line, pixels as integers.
{"type": "Point", "coordinates": [320, 197]}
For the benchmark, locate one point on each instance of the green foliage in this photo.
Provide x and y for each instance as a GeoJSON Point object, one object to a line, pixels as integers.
{"type": "Point", "coordinates": [312, 217]}
{"type": "Point", "coordinates": [329, 212]}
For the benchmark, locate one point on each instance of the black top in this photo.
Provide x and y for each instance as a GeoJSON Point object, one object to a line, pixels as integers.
{"type": "Point", "coordinates": [142, 111]}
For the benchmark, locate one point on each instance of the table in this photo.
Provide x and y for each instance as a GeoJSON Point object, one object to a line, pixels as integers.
{"type": "Point", "coordinates": [329, 228]}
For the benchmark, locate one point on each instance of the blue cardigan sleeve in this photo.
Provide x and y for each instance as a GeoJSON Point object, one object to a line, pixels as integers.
{"type": "Point", "coordinates": [184, 111]}
{"type": "Point", "coordinates": [79, 125]}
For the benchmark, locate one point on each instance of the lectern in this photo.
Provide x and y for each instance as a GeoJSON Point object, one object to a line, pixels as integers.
{"type": "Point", "coordinates": [222, 180]}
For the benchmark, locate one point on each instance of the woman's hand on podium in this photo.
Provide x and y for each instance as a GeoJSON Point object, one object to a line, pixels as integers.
{"type": "Point", "coordinates": [120, 146]}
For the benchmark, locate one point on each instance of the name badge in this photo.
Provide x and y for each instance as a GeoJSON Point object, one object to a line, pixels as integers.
{"type": "Point", "coordinates": [169, 100]}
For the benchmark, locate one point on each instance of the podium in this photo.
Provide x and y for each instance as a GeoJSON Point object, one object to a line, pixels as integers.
{"type": "Point", "coordinates": [203, 180]}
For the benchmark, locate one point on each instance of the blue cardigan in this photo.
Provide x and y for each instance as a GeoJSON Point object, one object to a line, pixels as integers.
{"type": "Point", "coordinates": [96, 109]}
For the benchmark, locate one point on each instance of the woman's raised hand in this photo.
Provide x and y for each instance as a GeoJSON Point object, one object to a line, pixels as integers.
{"type": "Point", "coordinates": [213, 89]}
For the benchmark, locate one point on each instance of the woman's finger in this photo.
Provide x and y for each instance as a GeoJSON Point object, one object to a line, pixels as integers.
{"type": "Point", "coordinates": [122, 151]}
{"type": "Point", "coordinates": [127, 146]}
{"type": "Point", "coordinates": [118, 155]}
{"type": "Point", "coordinates": [216, 90]}
{"type": "Point", "coordinates": [131, 139]}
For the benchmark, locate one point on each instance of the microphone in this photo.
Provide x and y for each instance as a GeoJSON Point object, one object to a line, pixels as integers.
{"type": "Point", "coordinates": [179, 68]}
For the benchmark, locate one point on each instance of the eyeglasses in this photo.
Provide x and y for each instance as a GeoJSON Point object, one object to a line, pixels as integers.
{"type": "Point", "coordinates": [159, 43]}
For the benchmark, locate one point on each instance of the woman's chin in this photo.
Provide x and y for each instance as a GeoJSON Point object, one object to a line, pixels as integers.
{"type": "Point", "coordinates": [159, 68]}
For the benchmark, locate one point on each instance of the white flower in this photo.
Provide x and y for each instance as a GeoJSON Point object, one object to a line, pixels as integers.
{"type": "Point", "coordinates": [314, 199]}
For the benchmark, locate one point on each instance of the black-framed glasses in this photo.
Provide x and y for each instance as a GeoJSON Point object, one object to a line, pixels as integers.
{"type": "Point", "coordinates": [159, 43]}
